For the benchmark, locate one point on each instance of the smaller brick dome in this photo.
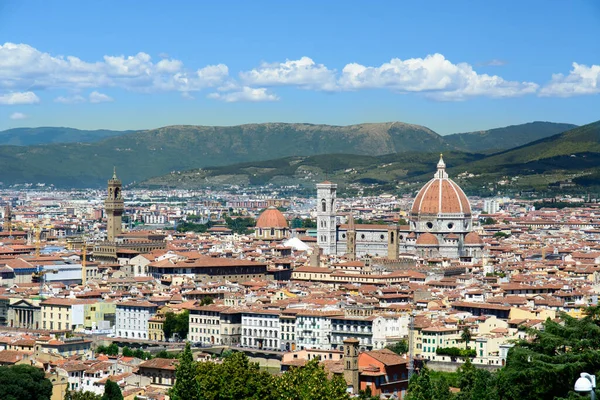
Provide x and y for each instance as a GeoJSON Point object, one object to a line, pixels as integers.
{"type": "Point", "coordinates": [473, 238]}
{"type": "Point", "coordinates": [427, 239]}
{"type": "Point", "coordinates": [271, 218]}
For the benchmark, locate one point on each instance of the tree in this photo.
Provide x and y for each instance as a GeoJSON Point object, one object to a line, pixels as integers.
{"type": "Point", "coordinates": [176, 324]}
{"type": "Point", "coordinates": [310, 382]}
{"type": "Point", "coordinates": [501, 235]}
{"type": "Point", "coordinates": [81, 396]}
{"type": "Point", "coordinates": [186, 387]}
{"type": "Point", "coordinates": [489, 221]}
{"type": "Point", "coordinates": [367, 394]}
{"type": "Point", "coordinates": [206, 301]}
{"type": "Point", "coordinates": [399, 348]}
{"type": "Point", "coordinates": [24, 382]}
{"type": "Point", "coordinates": [112, 391]}
{"type": "Point", "coordinates": [236, 378]}
{"type": "Point", "coordinates": [419, 386]}
{"type": "Point", "coordinates": [111, 350]}
{"type": "Point", "coordinates": [466, 336]}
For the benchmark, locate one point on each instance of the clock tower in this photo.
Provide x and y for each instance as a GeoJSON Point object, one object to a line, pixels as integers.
{"type": "Point", "coordinates": [113, 207]}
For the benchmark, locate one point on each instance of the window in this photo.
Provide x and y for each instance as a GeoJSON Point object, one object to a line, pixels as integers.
{"type": "Point", "coordinates": [323, 205]}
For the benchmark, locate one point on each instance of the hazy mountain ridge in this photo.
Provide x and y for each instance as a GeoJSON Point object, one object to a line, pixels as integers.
{"type": "Point", "coordinates": [575, 151]}
{"type": "Point", "coordinates": [144, 154]}
{"type": "Point", "coordinates": [507, 137]}
{"type": "Point", "coordinates": [47, 135]}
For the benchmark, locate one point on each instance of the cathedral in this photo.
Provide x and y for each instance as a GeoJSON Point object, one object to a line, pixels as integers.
{"type": "Point", "coordinates": [440, 225]}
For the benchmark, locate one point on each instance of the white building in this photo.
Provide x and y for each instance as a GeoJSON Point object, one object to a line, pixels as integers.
{"type": "Point", "coordinates": [132, 319]}
{"type": "Point", "coordinates": [491, 206]}
{"type": "Point", "coordinates": [388, 329]}
{"type": "Point", "coordinates": [261, 330]}
{"type": "Point", "coordinates": [313, 329]}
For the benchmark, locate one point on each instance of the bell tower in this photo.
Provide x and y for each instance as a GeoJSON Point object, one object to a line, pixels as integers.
{"type": "Point", "coordinates": [351, 371]}
{"type": "Point", "coordinates": [113, 206]}
{"type": "Point", "coordinates": [351, 239]}
{"type": "Point", "coordinates": [326, 221]}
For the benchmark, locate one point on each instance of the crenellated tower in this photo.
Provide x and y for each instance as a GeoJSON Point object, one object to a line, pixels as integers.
{"type": "Point", "coordinates": [113, 206]}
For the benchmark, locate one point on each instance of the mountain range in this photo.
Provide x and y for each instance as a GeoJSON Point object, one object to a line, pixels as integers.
{"type": "Point", "coordinates": [87, 157]}
{"type": "Point", "coordinates": [574, 154]}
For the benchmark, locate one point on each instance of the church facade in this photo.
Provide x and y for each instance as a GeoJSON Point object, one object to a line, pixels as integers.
{"type": "Point", "coordinates": [440, 225]}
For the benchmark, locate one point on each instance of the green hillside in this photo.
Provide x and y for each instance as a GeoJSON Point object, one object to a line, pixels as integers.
{"type": "Point", "coordinates": [571, 155]}
{"type": "Point", "coordinates": [46, 135]}
{"type": "Point", "coordinates": [577, 145]}
{"type": "Point", "coordinates": [505, 138]}
{"type": "Point", "coordinates": [385, 172]}
{"type": "Point", "coordinates": [144, 154]}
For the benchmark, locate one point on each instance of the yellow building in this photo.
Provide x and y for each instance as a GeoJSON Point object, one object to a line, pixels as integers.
{"type": "Point", "coordinates": [75, 314]}
{"type": "Point", "coordinates": [155, 327]}
{"type": "Point", "coordinates": [99, 315]}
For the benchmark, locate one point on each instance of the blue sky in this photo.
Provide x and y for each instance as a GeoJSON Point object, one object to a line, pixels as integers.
{"type": "Point", "coordinates": [450, 65]}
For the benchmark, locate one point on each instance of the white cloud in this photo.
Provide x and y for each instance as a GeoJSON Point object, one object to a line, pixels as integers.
{"type": "Point", "coordinates": [97, 97]}
{"type": "Point", "coordinates": [434, 76]}
{"type": "Point", "coordinates": [75, 99]}
{"type": "Point", "coordinates": [581, 80]}
{"type": "Point", "coordinates": [245, 94]}
{"type": "Point", "coordinates": [23, 67]}
{"type": "Point", "coordinates": [18, 115]}
{"type": "Point", "coordinates": [18, 98]}
{"type": "Point", "coordinates": [304, 73]}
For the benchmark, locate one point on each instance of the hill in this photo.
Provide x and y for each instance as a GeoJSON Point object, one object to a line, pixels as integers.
{"type": "Point", "coordinates": [574, 154]}
{"type": "Point", "coordinates": [46, 135]}
{"type": "Point", "coordinates": [141, 155]}
{"type": "Point", "coordinates": [384, 172]}
{"type": "Point", "coordinates": [505, 138]}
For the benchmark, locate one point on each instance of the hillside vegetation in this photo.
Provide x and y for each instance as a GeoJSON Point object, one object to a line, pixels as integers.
{"type": "Point", "coordinates": [356, 154]}
{"type": "Point", "coordinates": [505, 138]}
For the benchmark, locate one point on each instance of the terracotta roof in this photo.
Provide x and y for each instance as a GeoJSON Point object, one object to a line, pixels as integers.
{"type": "Point", "coordinates": [271, 218]}
{"type": "Point", "coordinates": [441, 195]}
{"type": "Point", "coordinates": [427, 239]}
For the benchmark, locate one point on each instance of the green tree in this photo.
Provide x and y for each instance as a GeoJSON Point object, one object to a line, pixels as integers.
{"type": "Point", "coordinates": [236, 378]}
{"type": "Point", "coordinates": [466, 336]}
{"type": "Point", "coordinates": [367, 394]}
{"type": "Point", "coordinates": [127, 352]}
{"type": "Point", "coordinates": [399, 348]}
{"type": "Point", "coordinates": [206, 301]}
{"type": "Point", "coordinates": [77, 395]}
{"type": "Point", "coordinates": [501, 235]}
{"type": "Point", "coordinates": [24, 382]}
{"type": "Point", "coordinates": [310, 382]}
{"type": "Point", "coordinates": [186, 386]}
{"type": "Point", "coordinates": [441, 389]}
{"type": "Point", "coordinates": [420, 386]}
{"type": "Point", "coordinates": [112, 391]}
{"type": "Point", "coordinates": [176, 324]}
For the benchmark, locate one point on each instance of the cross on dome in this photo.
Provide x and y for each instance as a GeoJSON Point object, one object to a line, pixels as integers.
{"type": "Point", "coordinates": [441, 169]}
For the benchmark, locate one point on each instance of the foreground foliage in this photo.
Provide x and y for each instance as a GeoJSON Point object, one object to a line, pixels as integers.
{"type": "Point", "coordinates": [544, 367]}
{"type": "Point", "coordinates": [238, 378]}
{"type": "Point", "coordinates": [24, 382]}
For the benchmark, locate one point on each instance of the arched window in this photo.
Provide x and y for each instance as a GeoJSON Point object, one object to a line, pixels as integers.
{"type": "Point", "coordinates": [323, 205]}
{"type": "Point", "coordinates": [392, 237]}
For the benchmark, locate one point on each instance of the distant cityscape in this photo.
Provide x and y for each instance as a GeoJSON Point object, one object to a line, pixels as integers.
{"type": "Point", "coordinates": [284, 280]}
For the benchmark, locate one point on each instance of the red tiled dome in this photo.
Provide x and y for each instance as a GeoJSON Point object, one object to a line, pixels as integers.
{"type": "Point", "coordinates": [271, 218]}
{"type": "Point", "coordinates": [427, 239]}
{"type": "Point", "coordinates": [441, 195]}
{"type": "Point", "coordinates": [473, 238]}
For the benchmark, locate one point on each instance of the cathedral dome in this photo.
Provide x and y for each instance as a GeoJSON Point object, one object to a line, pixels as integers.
{"type": "Point", "coordinates": [271, 218]}
{"type": "Point", "coordinates": [441, 195]}
{"type": "Point", "coordinates": [473, 238]}
{"type": "Point", "coordinates": [427, 239]}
